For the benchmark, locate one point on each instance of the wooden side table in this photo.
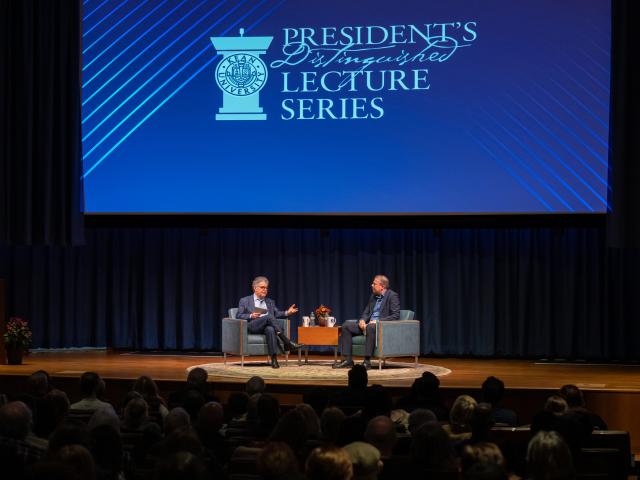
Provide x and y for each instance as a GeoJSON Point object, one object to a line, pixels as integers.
{"type": "Point", "coordinates": [318, 337]}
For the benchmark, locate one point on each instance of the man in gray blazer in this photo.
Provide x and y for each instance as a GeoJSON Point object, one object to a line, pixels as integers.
{"type": "Point", "coordinates": [384, 304]}
{"type": "Point", "coordinates": [261, 313]}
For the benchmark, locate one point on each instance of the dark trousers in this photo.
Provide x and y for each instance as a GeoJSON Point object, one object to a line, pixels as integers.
{"type": "Point", "coordinates": [351, 330]}
{"type": "Point", "coordinates": [268, 326]}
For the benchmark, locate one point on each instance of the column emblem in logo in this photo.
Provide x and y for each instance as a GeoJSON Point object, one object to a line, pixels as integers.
{"type": "Point", "coordinates": [241, 74]}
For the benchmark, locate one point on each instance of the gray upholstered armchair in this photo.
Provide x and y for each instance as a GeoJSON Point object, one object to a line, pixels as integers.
{"type": "Point", "coordinates": [394, 338]}
{"type": "Point", "coordinates": [236, 339]}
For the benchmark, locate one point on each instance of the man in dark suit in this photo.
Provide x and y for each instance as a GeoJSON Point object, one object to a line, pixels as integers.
{"type": "Point", "coordinates": [261, 312]}
{"type": "Point", "coordinates": [384, 304]}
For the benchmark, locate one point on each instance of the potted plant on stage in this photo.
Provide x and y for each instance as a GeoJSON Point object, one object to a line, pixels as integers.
{"type": "Point", "coordinates": [17, 340]}
{"type": "Point", "coordinates": [322, 315]}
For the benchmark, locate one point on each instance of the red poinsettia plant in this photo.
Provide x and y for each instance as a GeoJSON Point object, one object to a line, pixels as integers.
{"type": "Point", "coordinates": [323, 311]}
{"type": "Point", "coordinates": [18, 333]}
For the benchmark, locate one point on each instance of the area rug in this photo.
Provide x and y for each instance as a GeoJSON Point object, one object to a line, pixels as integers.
{"type": "Point", "coordinates": [316, 370]}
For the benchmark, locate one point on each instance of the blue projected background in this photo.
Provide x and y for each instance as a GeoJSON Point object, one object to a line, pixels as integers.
{"type": "Point", "coordinates": [345, 106]}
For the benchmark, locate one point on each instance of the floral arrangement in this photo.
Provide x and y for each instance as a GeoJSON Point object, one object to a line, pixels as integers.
{"type": "Point", "coordinates": [18, 333]}
{"type": "Point", "coordinates": [323, 311]}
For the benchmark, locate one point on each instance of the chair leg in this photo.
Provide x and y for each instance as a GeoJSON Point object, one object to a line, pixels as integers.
{"type": "Point", "coordinates": [225, 358]}
{"type": "Point", "coordinates": [415, 361]}
{"type": "Point", "coordinates": [286, 359]}
{"type": "Point", "coordinates": [242, 360]}
{"type": "Point", "coordinates": [380, 364]}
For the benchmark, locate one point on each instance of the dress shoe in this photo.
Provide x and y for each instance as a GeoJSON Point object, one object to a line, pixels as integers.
{"type": "Point", "coordinates": [274, 362]}
{"type": "Point", "coordinates": [293, 347]}
{"type": "Point", "coordinates": [344, 364]}
{"type": "Point", "coordinates": [367, 364]}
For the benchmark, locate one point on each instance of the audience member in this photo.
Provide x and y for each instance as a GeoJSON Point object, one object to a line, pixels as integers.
{"type": "Point", "coordinates": [353, 397]}
{"type": "Point", "coordinates": [79, 459]}
{"type": "Point", "coordinates": [255, 385]}
{"type": "Point", "coordinates": [51, 412]}
{"type": "Point", "coordinates": [175, 419]}
{"type": "Point", "coordinates": [381, 433]}
{"type": "Point", "coordinates": [365, 460]}
{"type": "Point", "coordinates": [492, 393]}
{"type": "Point", "coordinates": [459, 427]}
{"type": "Point", "coordinates": [70, 432]}
{"type": "Point", "coordinates": [16, 454]}
{"type": "Point", "coordinates": [425, 393]}
{"type": "Point", "coordinates": [181, 465]}
{"type": "Point", "coordinates": [482, 452]}
{"type": "Point", "coordinates": [556, 405]}
{"type": "Point", "coordinates": [312, 422]}
{"type": "Point", "coordinates": [147, 387]}
{"type": "Point", "coordinates": [575, 401]}
{"type": "Point", "coordinates": [196, 381]}
{"type": "Point", "coordinates": [431, 449]}
{"type": "Point", "coordinates": [549, 457]}
{"type": "Point", "coordinates": [419, 417]}
{"type": "Point", "coordinates": [276, 461]}
{"type": "Point", "coordinates": [329, 463]}
{"type": "Point", "coordinates": [330, 424]}
{"type": "Point", "coordinates": [91, 387]}
{"type": "Point", "coordinates": [208, 426]}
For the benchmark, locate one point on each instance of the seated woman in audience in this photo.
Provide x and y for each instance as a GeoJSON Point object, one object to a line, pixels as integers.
{"type": "Point", "coordinates": [549, 457]}
{"type": "Point", "coordinates": [459, 427]}
{"type": "Point", "coordinates": [146, 387]}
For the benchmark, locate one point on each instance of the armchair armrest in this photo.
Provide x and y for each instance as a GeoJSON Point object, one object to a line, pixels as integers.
{"type": "Point", "coordinates": [234, 335]}
{"type": "Point", "coordinates": [398, 337]}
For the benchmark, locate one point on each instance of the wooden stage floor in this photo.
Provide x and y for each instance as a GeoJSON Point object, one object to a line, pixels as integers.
{"type": "Point", "coordinates": [613, 391]}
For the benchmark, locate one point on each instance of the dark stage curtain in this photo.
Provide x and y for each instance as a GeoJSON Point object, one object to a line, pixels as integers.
{"type": "Point", "coordinates": [624, 137]}
{"type": "Point", "coordinates": [512, 292]}
{"type": "Point", "coordinates": [40, 154]}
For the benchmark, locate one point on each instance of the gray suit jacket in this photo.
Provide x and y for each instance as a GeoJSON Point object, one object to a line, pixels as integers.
{"type": "Point", "coordinates": [389, 310]}
{"type": "Point", "coordinates": [247, 305]}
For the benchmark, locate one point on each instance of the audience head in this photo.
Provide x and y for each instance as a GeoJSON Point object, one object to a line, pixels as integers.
{"type": "Point", "coordinates": [210, 418]}
{"type": "Point", "coordinates": [104, 416]}
{"type": "Point", "coordinates": [482, 421]}
{"type": "Point", "coordinates": [419, 417]}
{"type": "Point", "coordinates": [237, 405]}
{"type": "Point", "coordinates": [485, 471]}
{"type": "Point", "coordinates": [16, 420]}
{"type": "Point", "coordinates": [330, 424]}
{"type": "Point", "coordinates": [70, 432]}
{"type": "Point", "coordinates": [276, 461]}
{"type": "Point", "coordinates": [181, 466]}
{"type": "Point", "coordinates": [184, 439]}
{"type": "Point", "coordinates": [482, 452]}
{"type": "Point", "coordinates": [317, 398]}
{"type": "Point", "coordinates": [177, 418]}
{"type": "Point", "coordinates": [430, 384]}
{"type": "Point", "coordinates": [255, 385]}
{"type": "Point", "coordinates": [365, 460]}
{"type": "Point", "coordinates": [431, 448]}
{"type": "Point", "coordinates": [268, 411]}
{"type": "Point", "coordinates": [461, 413]}
{"type": "Point", "coordinates": [146, 387]}
{"type": "Point", "coordinates": [91, 385]}
{"type": "Point", "coordinates": [556, 404]}
{"type": "Point", "coordinates": [549, 457]}
{"type": "Point", "coordinates": [378, 401]}
{"type": "Point", "coordinates": [197, 377]}
{"type": "Point", "coordinates": [312, 422]}
{"type": "Point", "coordinates": [381, 433]}
{"type": "Point", "coordinates": [79, 458]}
{"type": "Point", "coordinates": [329, 463]}
{"type": "Point", "coordinates": [192, 402]}
{"type": "Point", "coordinates": [51, 412]}
{"type": "Point", "coordinates": [291, 428]}
{"type": "Point", "coordinates": [572, 395]}
{"type": "Point", "coordinates": [135, 413]}
{"type": "Point", "coordinates": [38, 384]}
{"type": "Point", "coordinates": [106, 448]}
{"type": "Point", "coordinates": [358, 377]}
{"type": "Point", "coordinates": [492, 390]}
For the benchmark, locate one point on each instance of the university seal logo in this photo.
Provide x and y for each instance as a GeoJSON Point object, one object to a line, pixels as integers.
{"type": "Point", "coordinates": [241, 74]}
